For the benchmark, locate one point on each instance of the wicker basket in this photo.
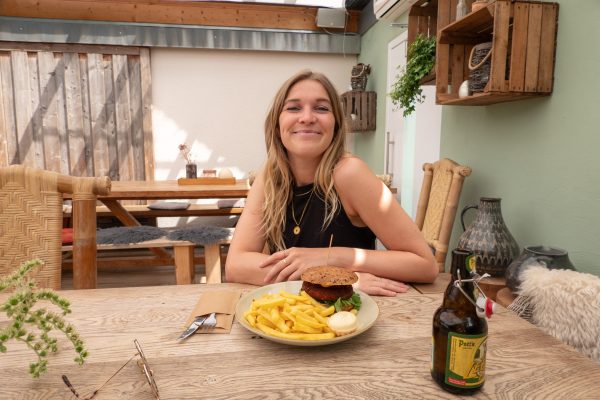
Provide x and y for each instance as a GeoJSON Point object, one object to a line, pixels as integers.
{"type": "Point", "coordinates": [479, 66]}
{"type": "Point", "coordinates": [359, 76]}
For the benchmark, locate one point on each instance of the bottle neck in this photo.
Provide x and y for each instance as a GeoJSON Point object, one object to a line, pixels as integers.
{"type": "Point", "coordinates": [463, 263]}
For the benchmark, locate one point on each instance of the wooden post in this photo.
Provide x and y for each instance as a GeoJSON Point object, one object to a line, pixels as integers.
{"type": "Point", "coordinates": [184, 264]}
{"type": "Point", "coordinates": [212, 262]}
{"type": "Point", "coordinates": [84, 229]}
{"type": "Point", "coordinates": [84, 241]}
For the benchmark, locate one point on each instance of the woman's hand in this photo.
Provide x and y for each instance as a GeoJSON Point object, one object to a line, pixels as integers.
{"type": "Point", "coordinates": [289, 264]}
{"type": "Point", "coordinates": [374, 285]}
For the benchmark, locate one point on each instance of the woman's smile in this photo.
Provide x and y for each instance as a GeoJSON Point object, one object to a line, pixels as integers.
{"type": "Point", "coordinates": [306, 123]}
{"type": "Point", "coordinates": [306, 132]}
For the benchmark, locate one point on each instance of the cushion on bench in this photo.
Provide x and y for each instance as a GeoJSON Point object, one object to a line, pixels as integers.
{"type": "Point", "coordinates": [202, 235]}
{"type": "Point", "coordinates": [128, 234]}
{"type": "Point", "coordinates": [67, 236]}
{"type": "Point", "coordinates": [169, 205]}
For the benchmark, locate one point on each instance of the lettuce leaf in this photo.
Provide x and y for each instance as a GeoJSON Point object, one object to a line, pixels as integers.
{"type": "Point", "coordinates": [342, 305]}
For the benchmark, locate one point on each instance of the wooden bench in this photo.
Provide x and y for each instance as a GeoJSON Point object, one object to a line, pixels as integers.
{"type": "Point", "coordinates": [183, 257]}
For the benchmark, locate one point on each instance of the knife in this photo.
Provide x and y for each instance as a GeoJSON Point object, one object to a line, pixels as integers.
{"type": "Point", "coordinates": [196, 323]}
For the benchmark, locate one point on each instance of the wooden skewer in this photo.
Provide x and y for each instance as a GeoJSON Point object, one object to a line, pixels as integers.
{"type": "Point", "coordinates": [329, 248]}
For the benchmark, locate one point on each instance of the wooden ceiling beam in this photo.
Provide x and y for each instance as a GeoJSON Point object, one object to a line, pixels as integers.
{"type": "Point", "coordinates": [226, 14]}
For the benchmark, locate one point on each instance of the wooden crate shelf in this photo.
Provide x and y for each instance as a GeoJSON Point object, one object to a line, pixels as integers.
{"type": "Point", "coordinates": [523, 36]}
{"type": "Point", "coordinates": [422, 20]}
{"type": "Point", "coordinates": [360, 110]}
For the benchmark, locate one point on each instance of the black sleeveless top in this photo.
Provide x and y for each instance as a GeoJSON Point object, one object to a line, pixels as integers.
{"type": "Point", "coordinates": [311, 234]}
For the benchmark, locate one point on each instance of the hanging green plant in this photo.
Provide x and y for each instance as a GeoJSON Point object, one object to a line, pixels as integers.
{"type": "Point", "coordinates": [406, 91]}
{"type": "Point", "coordinates": [31, 324]}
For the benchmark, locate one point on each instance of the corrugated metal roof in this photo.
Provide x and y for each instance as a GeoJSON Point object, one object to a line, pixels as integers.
{"type": "Point", "coordinates": [186, 36]}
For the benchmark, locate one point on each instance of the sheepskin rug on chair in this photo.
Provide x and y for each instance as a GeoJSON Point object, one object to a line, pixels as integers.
{"type": "Point", "coordinates": [564, 304]}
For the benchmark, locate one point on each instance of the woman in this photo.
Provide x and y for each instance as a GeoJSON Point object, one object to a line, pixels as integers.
{"type": "Point", "coordinates": [310, 192]}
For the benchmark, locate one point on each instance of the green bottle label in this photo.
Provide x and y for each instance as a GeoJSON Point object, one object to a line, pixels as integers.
{"type": "Point", "coordinates": [471, 264]}
{"type": "Point", "coordinates": [465, 360]}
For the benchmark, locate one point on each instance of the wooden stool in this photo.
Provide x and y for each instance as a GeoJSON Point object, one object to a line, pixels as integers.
{"type": "Point", "coordinates": [491, 286]}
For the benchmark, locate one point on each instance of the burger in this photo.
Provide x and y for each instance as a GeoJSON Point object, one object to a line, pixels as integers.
{"type": "Point", "coordinates": [332, 286]}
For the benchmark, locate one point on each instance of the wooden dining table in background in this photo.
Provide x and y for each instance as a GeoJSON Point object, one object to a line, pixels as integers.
{"type": "Point", "coordinates": [389, 361]}
{"type": "Point", "coordinates": [85, 270]}
{"type": "Point", "coordinates": [165, 190]}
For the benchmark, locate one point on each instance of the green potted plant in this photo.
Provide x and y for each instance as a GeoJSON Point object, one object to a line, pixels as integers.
{"type": "Point", "coordinates": [31, 324]}
{"type": "Point", "coordinates": [406, 91]}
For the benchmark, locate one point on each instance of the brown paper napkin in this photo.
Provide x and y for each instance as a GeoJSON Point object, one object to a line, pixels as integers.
{"type": "Point", "coordinates": [221, 302]}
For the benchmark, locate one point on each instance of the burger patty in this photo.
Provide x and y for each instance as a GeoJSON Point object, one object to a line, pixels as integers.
{"type": "Point", "coordinates": [330, 293]}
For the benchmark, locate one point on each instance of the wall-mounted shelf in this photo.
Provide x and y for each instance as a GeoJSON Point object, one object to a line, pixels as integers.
{"type": "Point", "coordinates": [523, 36]}
{"type": "Point", "coordinates": [360, 110]}
{"type": "Point", "coordinates": [422, 20]}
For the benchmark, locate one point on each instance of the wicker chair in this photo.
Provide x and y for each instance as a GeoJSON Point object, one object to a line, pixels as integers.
{"type": "Point", "coordinates": [31, 217]}
{"type": "Point", "coordinates": [438, 201]}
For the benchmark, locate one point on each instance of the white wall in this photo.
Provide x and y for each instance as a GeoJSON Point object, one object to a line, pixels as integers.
{"type": "Point", "coordinates": [216, 102]}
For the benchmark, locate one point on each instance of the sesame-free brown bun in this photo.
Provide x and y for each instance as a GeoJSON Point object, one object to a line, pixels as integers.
{"type": "Point", "coordinates": [329, 276]}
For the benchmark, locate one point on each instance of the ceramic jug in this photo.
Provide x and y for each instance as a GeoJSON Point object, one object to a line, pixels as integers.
{"type": "Point", "coordinates": [550, 257]}
{"type": "Point", "coordinates": [489, 238]}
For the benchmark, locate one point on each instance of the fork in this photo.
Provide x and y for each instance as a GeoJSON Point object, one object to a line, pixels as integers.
{"type": "Point", "coordinates": [209, 323]}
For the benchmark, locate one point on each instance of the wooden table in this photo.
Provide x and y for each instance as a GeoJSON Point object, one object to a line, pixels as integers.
{"type": "Point", "coordinates": [85, 271]}
{"type": "Point", "coordinates": [390, 361]}
{"type": "Point", "coordinates": [165, 190]}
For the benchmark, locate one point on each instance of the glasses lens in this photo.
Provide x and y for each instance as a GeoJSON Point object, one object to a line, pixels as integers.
{"type": "Point", "coordinates": [145, 367]}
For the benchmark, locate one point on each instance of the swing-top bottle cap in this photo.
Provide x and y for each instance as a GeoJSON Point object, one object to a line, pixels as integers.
{"type": "Point", "coordinates": [485, 307]}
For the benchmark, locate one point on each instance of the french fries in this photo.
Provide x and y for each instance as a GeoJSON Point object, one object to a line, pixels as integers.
{"type": "Point", "coordinates": [290, 316]}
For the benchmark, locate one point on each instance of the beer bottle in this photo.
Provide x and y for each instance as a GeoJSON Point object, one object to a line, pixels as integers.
{"type": "Point", "coordinates": [459, 334]}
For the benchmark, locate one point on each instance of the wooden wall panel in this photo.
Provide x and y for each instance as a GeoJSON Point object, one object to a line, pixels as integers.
{"type": "Point", "coordinates": [97, 101]}
{"type": "Point", "coordinates": [122, 117]}
{"type": "Point", "coordinates": [146, 106]}
{"type": "Point", "coordinates": [83, 111]}
{"type": "Point", "coordinates": [8, 140]}
{"type": "Point", "coordinates": [75, 120]}
{"type": "Point", "coordinates": [48, 111]}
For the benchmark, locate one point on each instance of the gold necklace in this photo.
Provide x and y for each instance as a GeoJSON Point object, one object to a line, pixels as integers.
{"type": "Point", "coordinates": [297, 229]}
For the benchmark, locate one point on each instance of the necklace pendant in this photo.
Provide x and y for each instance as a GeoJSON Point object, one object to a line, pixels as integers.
{"type": "Point", "coordinates": [296, 230]}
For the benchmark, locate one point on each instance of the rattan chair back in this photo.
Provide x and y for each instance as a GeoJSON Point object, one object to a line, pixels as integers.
{"type": "Point", "coordinates": [438, 201]}
{"type": "Point", "coordinates": [31, 218]}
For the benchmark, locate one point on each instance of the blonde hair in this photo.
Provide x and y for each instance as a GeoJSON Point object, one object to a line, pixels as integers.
{"type": "Point", "coordinates": [277, 174]}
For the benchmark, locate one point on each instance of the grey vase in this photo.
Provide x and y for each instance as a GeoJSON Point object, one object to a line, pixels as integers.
{"type": "Point", "coordinates": [489, 238]}
{"type": "Point", "coordinates": [550, 257]}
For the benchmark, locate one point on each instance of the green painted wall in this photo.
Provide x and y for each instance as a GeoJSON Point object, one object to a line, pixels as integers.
{"type": "Point", "coordinates": [540, 156]}
{"type": "Point", "coordinates": [370, 146]}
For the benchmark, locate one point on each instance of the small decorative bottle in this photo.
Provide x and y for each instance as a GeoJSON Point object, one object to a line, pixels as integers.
{"type": "Point", "coordinates": [461, 9]}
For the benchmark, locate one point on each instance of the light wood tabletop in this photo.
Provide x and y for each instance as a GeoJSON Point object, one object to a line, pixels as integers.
{"type": "Point", "coordinates": [389, 361]}
{"type": "Point", "coordinates": [154, 190]}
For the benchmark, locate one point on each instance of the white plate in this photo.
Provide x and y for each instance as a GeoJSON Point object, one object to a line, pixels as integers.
{"type": "Point", "coordinates": [366, 317]}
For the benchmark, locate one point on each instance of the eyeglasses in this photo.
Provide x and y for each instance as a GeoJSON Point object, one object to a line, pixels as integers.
{"type": "Point", "coordinates": [142, 363]}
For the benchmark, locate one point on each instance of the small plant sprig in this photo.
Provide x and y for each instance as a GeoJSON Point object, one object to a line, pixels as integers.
{"type": "Point", "coordinates": [32, 326]}
{"type": "Point", "coordinates": [185, 153]}
{"type": "Point", "coordinates": [406, 91]}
